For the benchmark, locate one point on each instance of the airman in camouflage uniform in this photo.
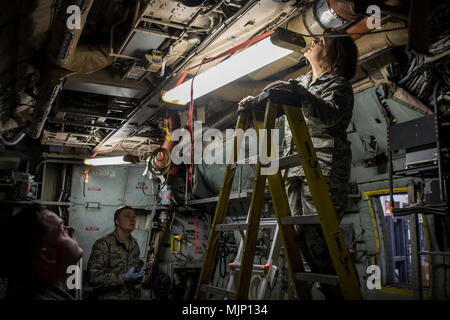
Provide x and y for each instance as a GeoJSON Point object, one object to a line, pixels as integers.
{"type": "Point", "coordinates": [112, 260]}
{"type": "Point", "coordinates": [327, 104]}
{"type": "Point", "coordinates": [325, 96]}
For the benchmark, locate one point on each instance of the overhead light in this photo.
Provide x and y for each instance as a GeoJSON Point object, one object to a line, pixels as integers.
{"type": "Point", "coordinates": [244, 62]}
{"type": "Point", "coordinates": [110, 161]}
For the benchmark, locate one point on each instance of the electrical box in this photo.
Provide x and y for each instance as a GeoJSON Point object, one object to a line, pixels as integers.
{"type": "Point", "coordinates": [155, 59]}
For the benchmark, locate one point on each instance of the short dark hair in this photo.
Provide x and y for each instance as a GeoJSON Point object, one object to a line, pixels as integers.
{"type": "Point", "coordinates": [118, 211]}
{"type": "Point", "coordinates": [23, 233]}
{"type": "Point", "coordinates": [341, 54]}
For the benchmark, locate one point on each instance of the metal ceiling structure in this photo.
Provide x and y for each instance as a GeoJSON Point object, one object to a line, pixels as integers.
{"type": "Point", "coordinates": [99, 86]}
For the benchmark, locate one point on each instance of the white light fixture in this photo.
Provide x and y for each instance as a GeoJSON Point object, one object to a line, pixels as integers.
{"type": "Point", "coordinates": [105, 161]}
{"type": "Point", "coordinates": [244, 62]}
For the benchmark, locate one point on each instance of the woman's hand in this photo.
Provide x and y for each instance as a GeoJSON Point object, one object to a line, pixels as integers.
{"type": "Point", "coordinates": [241, 104]}
{"type": "Point", "coordinates": [279, 85]}
{"type": "Point", "coordinates": [245, 100]}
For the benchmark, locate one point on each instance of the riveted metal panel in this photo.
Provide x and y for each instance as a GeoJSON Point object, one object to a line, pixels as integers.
{"type": "Point", "coordinates": [106, 185]}
{"type": "Point", "coordinates": [138, 188]}
{"type": "Point", "coordinates": [90, 225]}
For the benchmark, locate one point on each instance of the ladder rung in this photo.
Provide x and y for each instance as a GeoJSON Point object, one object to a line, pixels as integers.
{"type": "Point", "coordinates": [243, 194]}
{"type": "Point", "coordinates": [308, 219]}
{"type": "Point", "coordinates": [316, 277]}
{"type": "Point", "coordinates": [231, 226]}
{"type": "Point", "coordinates": [257, 268]}
{"type": "Point", "coordinates": [216, 290]}
{"type": "Point", "coordinates": [283, 162]}
{"type": "Point", "coordinates": [264, 223]}
{"type": "Point", "coordinates": [289, 161]}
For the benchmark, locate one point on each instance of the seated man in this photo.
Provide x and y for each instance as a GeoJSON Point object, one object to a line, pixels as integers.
{"type": "Point", "coordinates": [114, 265]}
{"type": "Point", "coordinates": [40, 249]}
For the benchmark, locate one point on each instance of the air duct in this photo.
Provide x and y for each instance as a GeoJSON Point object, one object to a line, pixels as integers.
{"type": "Point", "coordinates": [65, 57]}
{"type": "Point", "coordinates": [315, 19]}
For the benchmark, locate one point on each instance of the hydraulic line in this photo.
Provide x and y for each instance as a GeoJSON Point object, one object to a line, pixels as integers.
{"type": "Point", "coordinates": [160, 161]}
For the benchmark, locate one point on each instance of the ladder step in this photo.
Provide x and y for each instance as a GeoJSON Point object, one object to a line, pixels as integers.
{"type": "Point", "coordinates": [216, 290]}
{"type": "Point", "coordinates": [241, 195]}
{"type": "Point", "coordinates": [263, 223]}
{"type": "Point", "coordinates": [269, 223]}
{"type": "Point", "coordinates": [283, 162]}
{"type": "Point", "coordinates": [289, 161]}
{"type": "Point", "coordinates": [316, 277]}
{"type": "Point", "coordinates": [308, 219]}
{"type": "Point", "coordinates": [257, 268]}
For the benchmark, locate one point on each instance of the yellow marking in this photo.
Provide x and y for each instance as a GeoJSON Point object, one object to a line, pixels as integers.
{"type": "Point", "coordinates": [172, 244]}
{"type": "Point", "coordinates": [368, 195]}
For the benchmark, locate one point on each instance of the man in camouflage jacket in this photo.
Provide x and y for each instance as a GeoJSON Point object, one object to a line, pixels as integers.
{"type": "Point", "coordinates": [114, 265]}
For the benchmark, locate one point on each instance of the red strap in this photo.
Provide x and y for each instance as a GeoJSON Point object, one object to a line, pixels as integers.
{"type": "Point", "coordinates": [196, 223]}
{"type": "Point", "coordinates": [191, 131]}
{"type": "Point", "coordinates": [182, 78]}
{"type": "Point", "coordinates": [191, 104]}
{"type": "Point", "coordinates": [226, 53]}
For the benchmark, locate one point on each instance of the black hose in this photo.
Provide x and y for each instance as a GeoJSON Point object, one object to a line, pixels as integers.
{"type": "Point", "coordinates": [422, 210]}
{"type": "Point", "coordinates": [223, 252]}
{"type": "Point", "coordinates": [15, 140]}
{"type": "Point", "coordinates": [188, 288]}
{"type": "Point", "coordinates": [445, 277]}
{"type": "Point", "coordinates": [438, 144]}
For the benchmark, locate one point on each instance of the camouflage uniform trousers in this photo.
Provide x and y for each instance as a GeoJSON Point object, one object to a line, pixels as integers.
{"type": "Point", "coordinates": [310, 237]}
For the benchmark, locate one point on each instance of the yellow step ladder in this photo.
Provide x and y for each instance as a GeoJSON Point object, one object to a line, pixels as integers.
{"type": "Point", "coordinates": [264, 109]}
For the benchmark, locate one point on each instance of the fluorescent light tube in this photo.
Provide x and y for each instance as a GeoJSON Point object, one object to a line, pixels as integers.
{"type": "Point", "coordinates": [106, 161]}
{"type": "Point", "coordinates": [244, 62]}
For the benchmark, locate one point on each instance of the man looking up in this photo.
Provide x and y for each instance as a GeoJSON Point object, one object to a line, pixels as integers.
{"type": "Point", "coordinates": [114, 266]}
{"type": "Point", "coordinates": [39, 249]}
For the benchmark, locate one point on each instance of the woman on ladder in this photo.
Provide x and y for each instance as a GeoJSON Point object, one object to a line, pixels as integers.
{"type": "Point", "coordinates": [326, 98]}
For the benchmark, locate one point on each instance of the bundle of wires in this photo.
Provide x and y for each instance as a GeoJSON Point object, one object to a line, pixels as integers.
{"type": "Point", "coordinates": [420, 80]}
{"type": "Point", "coordinates": [159, 161]}
{"type": "Point", "coordinates": [223, 252]}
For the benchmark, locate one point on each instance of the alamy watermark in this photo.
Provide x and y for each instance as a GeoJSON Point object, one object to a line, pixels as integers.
{"type": "Point", "coordinates": [374, 277]}
{"type": "Point", "coordinates": [252, 144]}
{"type": "Point", "coordinates": [374, 20]}
{"type": "Point", "coordinates": [74, 279]}
{"type": "Point", "coordinates": [74, 20]}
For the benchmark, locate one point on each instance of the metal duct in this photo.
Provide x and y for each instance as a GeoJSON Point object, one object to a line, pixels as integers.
{"type": "Point", "coordinates": [49, 86]}
{"type": "Point", "coordinates": [317, 17]}
{"type": "Point", "coordinates": [372, 43]}
{"type": "Point", "coordinates": [65, 57]}
{"type": "Point", "coordinates": [322, 15]}
{"type": "Point", "coordinates": [64, 41]}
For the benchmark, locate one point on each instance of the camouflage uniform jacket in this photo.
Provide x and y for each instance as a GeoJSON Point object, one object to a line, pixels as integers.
{"type": "Point", "coordinates": [327, 104]}
{"type": "Point", "coordinates": [46, 291]}
{"type": "Point", "coordinates": [109, 261]}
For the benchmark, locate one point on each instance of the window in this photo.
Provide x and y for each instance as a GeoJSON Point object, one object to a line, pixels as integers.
{"type": "Point", "coordinates": [394, 239]}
